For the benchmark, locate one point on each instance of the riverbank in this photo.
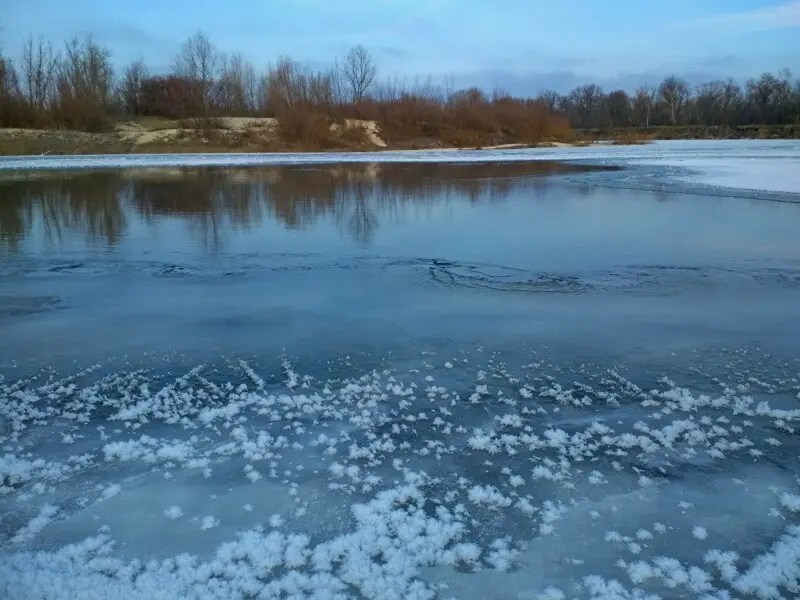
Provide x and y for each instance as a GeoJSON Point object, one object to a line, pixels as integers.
{"type": "Point", "coordinates": [163, 136]}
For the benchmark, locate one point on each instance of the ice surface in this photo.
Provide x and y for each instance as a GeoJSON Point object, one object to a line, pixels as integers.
{"type": "Point", "coordinates": [455, 477]}
{"type": "Point", "coordinates": [460, 474]}
{"type": "Point", "coordinates": [753, 173]}
{"type": "Point", "coordinates": [736, 164]}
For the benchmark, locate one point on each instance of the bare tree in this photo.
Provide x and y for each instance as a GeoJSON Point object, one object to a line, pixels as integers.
{"type": "Point", "coordinates": [338, 85]}
{"type": "Point", "coordinates": [8, 76]}
{"type": "Point", "coordinates": [285, 85]}
{"type": "Point", "coordinates": [796, 96]}
{"type": "Point", "coordinates": [321, 90]}
{"type": "Point", "coordinates": [708, 102]}
{"type": "Point", "coordinates": [674, 92]}
{"type": "Point", "coordinates": [731, 98]}
{"type": "Point", "coordinates": [84, 86]}
{"type": "Point", "coordinates": [86, 74]}
{"type": "Point", "coordinates": [620, 111]}
{"type": "Point", "coordinates": [359, 72]}
{"type": "Point", "coordinates": [763, 94]}
{"type": "Point", "coordinates": [448, 87]}
{"type": "Point", "coordinates": [784, 95]}
{"type": "Point", "coordinates": [130, 87]}
{"type": "Point", "coordinates": [9, 90]}
{"type": "Point", "coordinates": [586, 102]}
{"type": "Point", "coordinates": [262, 92]}
{"type": "Point", "coordinates": [236, 86]}
{"type": "Point", "coordinates": [250, 86]}
{"type": "Point", "coordinates": [198, 61]}
{"type": "Point", "coordinates": [39, 69]}
{"type": "Point", "coordinates": [643, 102]}
{"type": "Point", "coordinates": [425, 88]}
{"type": "Point", "coordinates": [393, 88]}
{"type": "Point", "coordinates": [549, 99]}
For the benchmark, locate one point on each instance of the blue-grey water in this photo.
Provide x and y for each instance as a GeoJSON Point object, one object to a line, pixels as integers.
{"type": "Point", "coordinates": [324, 259]}
{"type": "Point", "coordinates": [507, 380]}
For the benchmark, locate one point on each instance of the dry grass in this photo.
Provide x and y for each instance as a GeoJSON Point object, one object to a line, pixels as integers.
{"type": "Point", "coordinates": [17, 142]}
{"type": "Point", "coordinates": [206, 123]}
{"type": "Point", "coordinates": [158, 123]}
{"type": "Point", "coordinates": [633, 138]}
{"type": "Point", "coordinates": [616, 137]}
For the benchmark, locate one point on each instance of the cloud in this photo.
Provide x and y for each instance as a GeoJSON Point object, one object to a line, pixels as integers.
{"type": "Point", "coordinates": [785, 15]}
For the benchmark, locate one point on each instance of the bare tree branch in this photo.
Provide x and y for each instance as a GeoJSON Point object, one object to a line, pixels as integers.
{"type": "Point", "coordinates": [39, 68]}
{"type": "Point", "coordinates": [131, 84]}
{"type": "Point", "coordinates": [198, 61]}
{"type": "Point", "coordinates": [359, 72]}
{"type": "Point", "coordinates": [674, 92]}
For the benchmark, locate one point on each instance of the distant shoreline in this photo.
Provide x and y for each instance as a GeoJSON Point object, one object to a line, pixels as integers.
{"type": "Point", "coordinates": [695, 132]}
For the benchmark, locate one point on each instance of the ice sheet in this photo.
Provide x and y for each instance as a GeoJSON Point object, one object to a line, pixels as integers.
{"type": "Point", "coordinates": [460, 475]}
{"type": "Point", "coordinates": [463, 473]}
{"type": "Point", "coordinates": [772, 165]}
{"type": "Point", "coordinates": [747, 174]}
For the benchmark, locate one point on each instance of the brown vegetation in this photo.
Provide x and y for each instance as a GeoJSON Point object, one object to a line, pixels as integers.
{"type": "Point", "coordinates": [76, 89]}
{"type": "Point", "coordinates": [641, 135]}
{"type": "Point", "coordinates": [466, 119]}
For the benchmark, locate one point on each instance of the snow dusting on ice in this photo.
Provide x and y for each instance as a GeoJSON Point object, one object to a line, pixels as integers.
{"type": "Point", "coordinates": [478, 478]}
{"type": "Point", "coordinates": [763, 165]}
{"type": "Point", "coordinates": [752, 173]}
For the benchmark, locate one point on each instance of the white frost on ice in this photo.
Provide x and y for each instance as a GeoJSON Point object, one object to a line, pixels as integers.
{"type": "Point", "coordinates": [110, 491]}
{"type": "Point", "coordinates": [790, 501]}
{"type": "Point", "coordinates": [173, 512]}
{"type": "Point", "coordinates": [780, 567]}
{"type": "Point", "coordinates": [37, 524]}
{"type": "Point", "coordinates": [385, 485]}
{"type": "Point", "coordinates": [488, 495]}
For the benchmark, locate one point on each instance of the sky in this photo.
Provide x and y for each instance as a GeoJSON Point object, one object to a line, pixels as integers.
{"type": "Point", "coordinates": [522, 46]}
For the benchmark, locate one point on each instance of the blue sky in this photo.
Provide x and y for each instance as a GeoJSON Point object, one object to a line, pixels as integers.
{"type": "Point", "coordinates": [520, 45]}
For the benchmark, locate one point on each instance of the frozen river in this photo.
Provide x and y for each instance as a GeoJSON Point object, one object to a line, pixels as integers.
{"type": "Point", "coordinates": [402, 375]}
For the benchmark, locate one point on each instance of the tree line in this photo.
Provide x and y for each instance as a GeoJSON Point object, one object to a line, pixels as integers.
{"type": "Point", "coordinates": [77, 87]}
{"type": "Point", "coordinates": [770, 99]}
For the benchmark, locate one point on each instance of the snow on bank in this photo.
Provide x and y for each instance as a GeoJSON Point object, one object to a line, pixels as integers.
{"type": "Point", "coordinates": [455, 477]}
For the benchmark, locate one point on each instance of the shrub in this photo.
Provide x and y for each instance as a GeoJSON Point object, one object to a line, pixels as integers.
{"type": "Point", "coordinates": [304, 126]}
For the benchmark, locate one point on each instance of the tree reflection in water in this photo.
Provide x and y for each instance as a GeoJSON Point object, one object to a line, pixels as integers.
{"type": "Point", "coordinates": [89, 205]}
{"type": "Point", "coordinates": [100, 205]}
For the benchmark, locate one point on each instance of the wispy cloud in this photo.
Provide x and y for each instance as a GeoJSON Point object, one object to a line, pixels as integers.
{"type": "Point", "coordinates": [785, 15]}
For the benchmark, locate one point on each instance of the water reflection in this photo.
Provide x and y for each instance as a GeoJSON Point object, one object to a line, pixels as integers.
{"type": "Point", "coordinates": [90, 206]}
{"type": "Point", "coordinates": [100, 205]}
